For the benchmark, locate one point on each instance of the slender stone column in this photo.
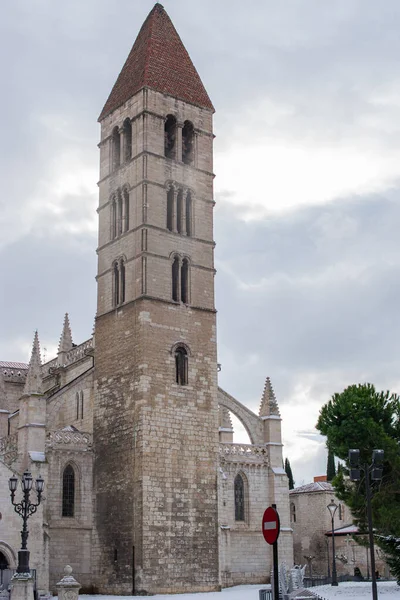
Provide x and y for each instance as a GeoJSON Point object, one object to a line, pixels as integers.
{"type": "Point", "coordinates": [183, 226]}
{"type": "Point", "coordinates": [121, 146]}
{"type": "Point", "coordinates": [179, 127]}
{"type": "Point", "coordinates": [174, 211]}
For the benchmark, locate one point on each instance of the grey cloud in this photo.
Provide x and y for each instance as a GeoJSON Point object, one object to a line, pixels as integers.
{"type": "Point", "coordinates": [288, 312]}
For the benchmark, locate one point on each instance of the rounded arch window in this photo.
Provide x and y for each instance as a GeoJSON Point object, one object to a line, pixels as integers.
{"type": "Point", "coordinates": [181, 365]}
{"type": "Point", "coordinates": [187, 142]}
{"type": "Point", "coordinates": [127, 129]}
{"type": "Point", "coordinates": [170, 136]}
{"type": "Point", "coordinates": [116, 148]}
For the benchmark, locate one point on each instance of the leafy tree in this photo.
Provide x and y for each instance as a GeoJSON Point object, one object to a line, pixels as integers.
{"type": "Point", "coordinates": [360, 417]}
{"type": "Point", "coordinates": [330, 466]}
{"type": "Point", "coordinates": [289, 473]}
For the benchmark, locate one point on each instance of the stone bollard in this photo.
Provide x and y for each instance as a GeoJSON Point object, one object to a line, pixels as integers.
{"type": "Point", "coordinates": [68, 588]}
{"type": "Point", "coordinates": [21, 587]}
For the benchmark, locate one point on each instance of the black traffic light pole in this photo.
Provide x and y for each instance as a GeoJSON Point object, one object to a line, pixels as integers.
{"type": "Point", "coordinates": [376, 472]}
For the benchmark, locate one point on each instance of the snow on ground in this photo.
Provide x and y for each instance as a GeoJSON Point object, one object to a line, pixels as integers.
{"type": "Point", "coordinates": [358, 590]}
{"type": "Point", "coordinates": [239, 592]}
{"type": "Point", "coordinates": [352, 590]}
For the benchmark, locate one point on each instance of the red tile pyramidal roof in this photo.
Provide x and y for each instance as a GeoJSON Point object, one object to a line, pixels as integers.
{"type": "Point", "coordinates": [158, 60]}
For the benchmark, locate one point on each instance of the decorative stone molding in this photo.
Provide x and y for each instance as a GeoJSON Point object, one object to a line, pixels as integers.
{"type": "Point", "coordinates": [79, 352]}
{"type": "Point", "coordinates": [247, 453]}
{"type": "Point", "coordinates": [9, 448]}
{"type": "Point", "coordinates": [65, 437]}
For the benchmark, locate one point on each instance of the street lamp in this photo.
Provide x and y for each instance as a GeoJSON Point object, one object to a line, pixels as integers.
{"type": "Point", "coordinates": [332, 507]}
{"type": "Point", "coordinates": [25, 509]}
{"type": "Point", "coordinates": [327, 551]}
{"type": "Point", "coordinates": [375, 470]}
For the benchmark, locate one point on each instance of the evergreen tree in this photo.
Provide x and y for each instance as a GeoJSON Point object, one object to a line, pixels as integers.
{"type": "Point", "coordinates": [289, 473]}
{"type": "Point", "coordinates": [360, 417]}
{"type": "Point", "coordinates": [391, 546]}
{"type": "Point", "coordinates": [330, 466]}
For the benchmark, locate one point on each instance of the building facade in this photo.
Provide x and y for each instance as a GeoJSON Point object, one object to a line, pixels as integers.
{"type": "Point", "coordinates": [312, 534]}
{"type": "Point", "coordinates": [146, 491]}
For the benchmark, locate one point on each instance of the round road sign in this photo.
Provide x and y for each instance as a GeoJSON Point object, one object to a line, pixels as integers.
{"type": "Point", "coordinates": [270, 525]}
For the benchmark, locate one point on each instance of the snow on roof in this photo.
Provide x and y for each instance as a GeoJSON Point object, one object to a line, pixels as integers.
{"type": "Point", "coordinates": [37, 456]}
{"type": "Point", "coordinates": [316, 486]}
{"type": "Point", "coordinates": [345, 530]}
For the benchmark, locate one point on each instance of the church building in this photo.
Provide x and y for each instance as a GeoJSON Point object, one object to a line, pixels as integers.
{"type": "Point", "coordinates": [145, 491]}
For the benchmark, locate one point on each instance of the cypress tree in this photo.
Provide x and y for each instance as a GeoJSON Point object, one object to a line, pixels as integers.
{"type": "Point", "coordinates": [289, 473]}
{"type": "Point", "coordinates": [330, 466]}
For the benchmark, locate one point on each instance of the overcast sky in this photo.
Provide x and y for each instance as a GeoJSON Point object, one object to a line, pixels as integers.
{"type": "Point", "coordinates": [307, 158]}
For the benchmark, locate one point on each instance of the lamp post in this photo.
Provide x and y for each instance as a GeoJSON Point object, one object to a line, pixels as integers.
{"type": "Point", "coordinates": [375, 471]}
{"type": "Point", "coordinates": [332, 507]}
{"type": "Point", "coordinates": [327, 551]}
{"type": "Point", "coordinates": [25, 509]}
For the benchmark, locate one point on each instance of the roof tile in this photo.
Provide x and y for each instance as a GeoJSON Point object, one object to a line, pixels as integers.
{"type": "Point", "coordinates": [158, 60]}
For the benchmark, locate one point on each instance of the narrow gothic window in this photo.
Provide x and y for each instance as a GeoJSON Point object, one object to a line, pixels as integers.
{"type": "Point", "coordinates": [116, 284]}
{"type": "Point", "coordinates": [187, 142]}
{"type": "Point", "coordinates": [127, 140]}
{"type": "Point", "coordinates": [122, 289]}
{"type": "Point", "coordinates": [170, 209]}
{"type": "Point", "coordinates": [114, 219]}
{"type": "Point", "coordinates": [116, 148]}
{"type": "Point", "coordinates": [77, 405]}
{"type": "Point", "coordinates": [239, 498]}
{"type": "Point", "coordinates": [170, 136]}
{"type": "Point", "coordinates": [68, 492]}
{"type": "Point", "coordinates": [81, 405]}
{"type": "Point", "coordinates": [185, 281]}
{"type": "Point", "coordinates": [188, 213]}
{"type": "Point", "coordinates": [293, 513]}
{"type": "Point", "coordinates": [179, 203]}
{"type": "Point", "coordinates": [175, 279]}
{"type": "Point", "coordinates": [126, 210]}
{"type": "Point", "coordinates": [181, 366]}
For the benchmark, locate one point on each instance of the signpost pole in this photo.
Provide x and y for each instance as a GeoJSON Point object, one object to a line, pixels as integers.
{"type": "Point", "coordinates": [270, 529]}
{"type": "Point", "coordinates": [275, 563]}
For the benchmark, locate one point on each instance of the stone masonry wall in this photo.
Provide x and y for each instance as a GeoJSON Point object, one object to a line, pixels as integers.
{"type": "Point", "coordinates": [165, 453]}
{"type": "Point", "coordinates": [71, 537]}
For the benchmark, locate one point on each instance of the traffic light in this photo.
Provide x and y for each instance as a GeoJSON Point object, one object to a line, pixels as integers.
{"type": "Point", "coordinates": [354, 462]}
{"type": "Point", "coordinates": [377, 465]}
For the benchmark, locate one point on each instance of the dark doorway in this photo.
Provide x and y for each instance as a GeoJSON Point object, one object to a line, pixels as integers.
{"type": "Point", "coordinates": [3, 567]}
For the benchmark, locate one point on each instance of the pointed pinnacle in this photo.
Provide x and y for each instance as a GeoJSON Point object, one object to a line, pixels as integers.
{"type": "Point", "coordinates": [225, 420]}
{"type": "Point", "coordinates": [65, 343]}
{"type": "Point", "coordinates": [33, 382]}
{"type": "Point", "coordinates": [269, 405]}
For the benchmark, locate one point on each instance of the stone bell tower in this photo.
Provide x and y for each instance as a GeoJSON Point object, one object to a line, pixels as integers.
{"type": "Point", "coordinates": [155, 412]}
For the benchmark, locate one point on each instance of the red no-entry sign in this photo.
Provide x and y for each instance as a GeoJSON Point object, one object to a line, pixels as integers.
{"type": "Point", "coordinates": [270, 525]}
